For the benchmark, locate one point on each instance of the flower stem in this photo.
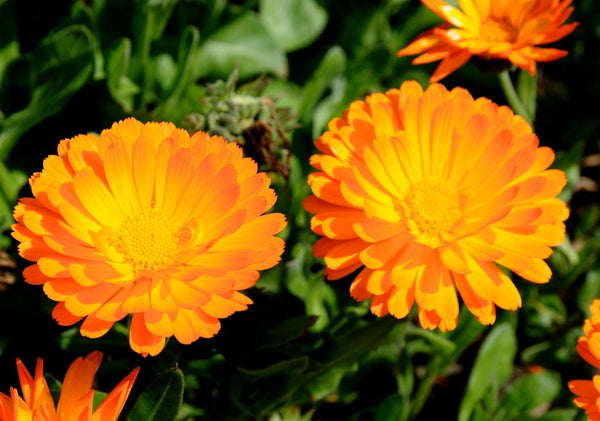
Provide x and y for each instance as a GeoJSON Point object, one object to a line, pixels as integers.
{"type": "Point", "coordinates": [513, 97]}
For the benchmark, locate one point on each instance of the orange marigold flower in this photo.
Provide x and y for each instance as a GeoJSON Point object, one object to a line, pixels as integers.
{"type": "Point", "coordinates": [499, 29]}
{"type": "Point", "coordinates": [76, 396]}
{"type": "Point", "coordinates": [588, 396]}
{"type": "Point", "coordinates": [588, 346]}
{"type": "Point", "coordinates": [148, 221]}
{"type": "Point", "coordinates": [428, 193]}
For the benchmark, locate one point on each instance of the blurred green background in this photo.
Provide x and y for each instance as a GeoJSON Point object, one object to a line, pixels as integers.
{"type": "Point", "coordinates": [271, 74]}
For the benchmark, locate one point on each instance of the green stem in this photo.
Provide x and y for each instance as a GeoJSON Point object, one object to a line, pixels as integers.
{"type": "Point", "coordinates": [425, 385]}
{"type": "Point", "coordinates": [513, 97]}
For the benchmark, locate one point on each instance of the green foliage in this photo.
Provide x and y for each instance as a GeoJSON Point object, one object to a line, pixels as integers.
{"type": "Point", "coordinates": [161, 400]}
{"type": "Point", "coordinates": [304, 350]}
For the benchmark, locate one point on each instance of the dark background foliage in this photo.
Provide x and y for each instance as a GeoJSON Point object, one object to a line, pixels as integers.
{"type": "Point", "coordinates": [304, 350]}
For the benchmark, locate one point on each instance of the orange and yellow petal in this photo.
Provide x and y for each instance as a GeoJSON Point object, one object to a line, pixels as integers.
{"type": "Point", "coordinates": [146, 220]}
{"type": "Point", "coordinates": [417, 212]}
{"type": "Point", "coordinates": [509, 31]}
{"type": "Point", "coordinates": [76, 395]}
{"type": "Point", "coordinates": [587, 396]}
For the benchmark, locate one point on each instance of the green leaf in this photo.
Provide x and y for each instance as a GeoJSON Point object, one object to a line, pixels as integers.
{"type": "Point", "coordinates": [120, 86]}
{"type": "Point", "coordinates": [293, 23]}
{"type": "Point", "coordinates": [64, 63]}
{"type": "Point", "coordinates": [295, 365]}
{"type": "Point", "coordinates": [259, 391]}
{"type": "Point", "coordinates": [589, 290]}
{"type": "Point", "coordinates": [346, 346]}
{"type": "Point", "coordinates": [245, 41]}
{"type": "Point", "coordinates": [9, 45]}
{"type": "Point", "coordinates": [329, 107]}
{"type": "Point", "coordinates": [392, 408]}
{"type": "Point", "coordinates": [285, 331]}
{"type": "Point", "coordinates": [559, 414]}
{"type": "Point", "coordinates": [491, 369]}
{"type": "Point", "coordinates": [11, 183]}
{"type": "Point", "coordinates": [188, 48]}
{"type": "Point", "coordinates": [529, 392]}
{"type": "Point", "coordinates": [160, 401]}
{"type": "Point", "coordinates": [98, 398]}
{"type": "Point", "coordinates": [332, 65]}
{"type": "Point", "coordinates": [527, 90]}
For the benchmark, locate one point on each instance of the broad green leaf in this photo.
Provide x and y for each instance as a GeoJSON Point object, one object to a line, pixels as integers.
{"type": "Point", "coordinates": [527, 393]}
{"type": "Point", "coordinates": [245, 41]}
{"type": "Point", "coordinates": [259, 391]}
{"type": "Point", "coordinates": [161, 399]}
{"type": "Point", "coordinates": [392, 408]}
{"type": "Point", "coordinates": [98, 398]}
{"type": "Point", "coordinates": [491, 368]}
{"type": "Point", "coordinates": [64, 64]}
{"type": "Point", "coordinates": [293, 23]}
{"type": "Point", "coordinates": [120, 86]}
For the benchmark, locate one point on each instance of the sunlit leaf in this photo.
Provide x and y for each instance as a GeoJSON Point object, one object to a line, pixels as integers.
{"type": "Point", "coordinates": [491, 368]}
{"type": "Point", "coordinates": [161, 399]}
{"type": "Point", "coordinates": [293, 23]}
{"type": "Point", "coordinates": [245, 41]}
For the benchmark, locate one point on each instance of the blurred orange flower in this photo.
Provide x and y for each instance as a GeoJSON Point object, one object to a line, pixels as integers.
{"type": "Point", "coordinates": [431, 192]}
{"type": "Point", "coordinates": [499, 29]}
{"type": "Point", "coordinates": [588, 347]}
{"type": "Point", "coordinates": [76, 396]}
{"type": "Point", "coordinates": [148, 221]}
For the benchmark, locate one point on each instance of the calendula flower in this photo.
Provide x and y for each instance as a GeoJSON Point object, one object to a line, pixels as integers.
{"type": "Point", "coordinates": [499, 29]}
{"type": "Point", "coordinates": [588, 347]}
{"type": "Point", "coordinates": [427, 193]}
{"type": "Point", "coordinates": [148, 221]}
{"type": "Point", "coordinates": [76, 396]}
{"type": "Point", "coordinates": [588, 396]}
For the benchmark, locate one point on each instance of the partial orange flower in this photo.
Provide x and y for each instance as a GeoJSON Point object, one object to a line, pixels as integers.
{"type": "Point", "coordinates": [76, 396]}
{"type": "Point", "coordinates": [588, 347]}
{"type": "Point", "coordinates": [427, 193]}
{"type": "Point", "coordinates": [148, 221]}
{"type": "Point", "coordinates": [499, 29]}
{"type": "Point", "coordinates": [588, 396]}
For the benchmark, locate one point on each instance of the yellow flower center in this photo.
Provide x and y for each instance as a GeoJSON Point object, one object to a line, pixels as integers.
{"type": "Point", "coordinates": [148, 242]}
{"type": "Point", "coordinates": [498, 31]}
{"type": "Point", "coordinates": [432, 208]}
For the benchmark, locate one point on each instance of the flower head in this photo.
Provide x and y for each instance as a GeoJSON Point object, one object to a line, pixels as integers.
{"type": "Point", "coordinates": [148, 221]}
{"type": "Point", "coordinates": [588, 396]}
{"type": "Point", "coordinates": [76, 396]}
{"type": "Point", "coordinates": [499, 29]}
{"type": "Point", "coordinates": [588, 347]}
{"type": "Point", "coordinates": [427, 193]}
